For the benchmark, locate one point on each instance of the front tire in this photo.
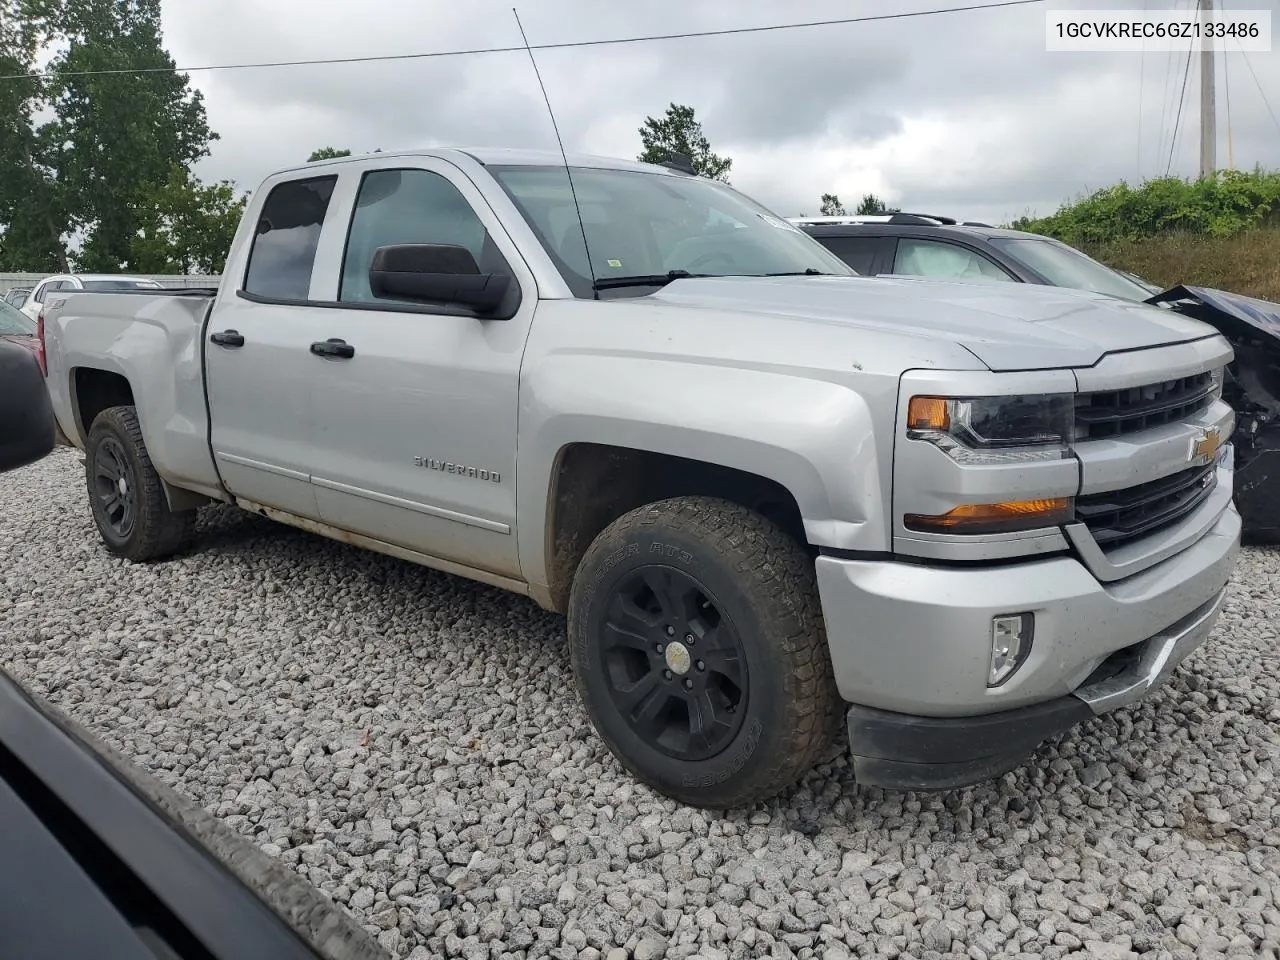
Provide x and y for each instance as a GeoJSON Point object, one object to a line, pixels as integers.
{"type": "Point", "coordinates": [126, 496]}
{"type": "Point", "coordinates": [700, 653]}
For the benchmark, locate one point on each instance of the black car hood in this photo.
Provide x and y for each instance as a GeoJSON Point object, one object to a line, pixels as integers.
{"type": "Point", "coordinates": [1244, 314]}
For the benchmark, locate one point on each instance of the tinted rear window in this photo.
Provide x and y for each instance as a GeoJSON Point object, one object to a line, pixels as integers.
{"type": "Point", "coordinates": [858, 252]}
{"type": "Point", "coordinates": [288, 233]}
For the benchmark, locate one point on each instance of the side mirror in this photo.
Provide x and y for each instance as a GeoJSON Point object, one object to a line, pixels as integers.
{"type": "Point", "coordinates": [435, 273]}
{"type": "Point", "coordinates": [26, 415]}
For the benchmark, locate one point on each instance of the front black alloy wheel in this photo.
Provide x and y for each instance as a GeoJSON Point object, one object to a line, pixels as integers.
{"type": "Point", "coordinates": [700, 653]}
{"type": "Point", "coordinates": [676, 668]}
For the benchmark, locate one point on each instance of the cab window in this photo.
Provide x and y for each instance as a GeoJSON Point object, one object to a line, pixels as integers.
{"type": "Point", "coordinates": [287, 236]}
{"type": "Point", "coordinates": [404, 207]}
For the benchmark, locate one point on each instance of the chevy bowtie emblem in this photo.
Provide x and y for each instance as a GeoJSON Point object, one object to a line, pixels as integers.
{"type": "Point", "coordinates": [1205, 446]}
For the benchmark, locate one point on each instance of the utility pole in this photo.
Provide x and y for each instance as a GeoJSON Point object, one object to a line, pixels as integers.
{"type": "Point", "coordinates": [1208, 102]}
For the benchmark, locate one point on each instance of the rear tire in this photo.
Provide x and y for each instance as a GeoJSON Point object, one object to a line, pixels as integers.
{"type": "Point", "coordinates": [700, 653]}
{"type": "Point", "coordinates": [126, 496]}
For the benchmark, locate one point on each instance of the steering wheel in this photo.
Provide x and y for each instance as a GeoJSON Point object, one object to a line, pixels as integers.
{"type": "Point", "coordinates": [708, 257]}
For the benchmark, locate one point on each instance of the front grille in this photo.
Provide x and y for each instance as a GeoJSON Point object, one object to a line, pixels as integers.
{"type": "Point", "coordinates": [1113, 413]}
{"type": "Point", "coordinates": [1119, 516]}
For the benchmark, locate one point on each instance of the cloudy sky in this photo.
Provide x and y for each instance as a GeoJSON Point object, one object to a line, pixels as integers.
{"type": "Point", "coordinates": [964, 114]}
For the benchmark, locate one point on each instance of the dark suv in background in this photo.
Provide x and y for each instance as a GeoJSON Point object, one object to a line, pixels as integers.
{"type": "Point", "coordinates": [924, 245]}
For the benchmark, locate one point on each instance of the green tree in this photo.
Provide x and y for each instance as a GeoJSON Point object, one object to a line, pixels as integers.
{"type": "Point", "coordinates": [33, 211]}
{"type": "Point", "coordinates": [831, 206]}
{"type": "Point", "coordinates": [872, 205]}
{"type": "Point", "coordinates": [678, 131]}
{"type": "Point", "coordinates": [1223, 205]}
{"type": "Point", "coordinates": [118, 136]}
{"type": "Point", "coordinates": [327, 153]}
{"type": "Point", "coordinates": [186, 227]}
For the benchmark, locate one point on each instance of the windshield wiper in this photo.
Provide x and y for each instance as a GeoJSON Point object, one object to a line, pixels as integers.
{"type": "Point", "coordinates": [662, 279]}
{"type": "Point", "coordinates": [643, 280]}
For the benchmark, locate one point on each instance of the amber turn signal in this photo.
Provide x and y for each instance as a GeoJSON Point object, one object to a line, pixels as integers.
{"type": "Point", "coordinates": [995, 517]}
{"type": "Point", "coordinates": [928, 413]}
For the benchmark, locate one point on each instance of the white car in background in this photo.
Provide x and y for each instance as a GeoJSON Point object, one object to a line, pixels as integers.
{"type": "Point", "coordinates": [82, 281]}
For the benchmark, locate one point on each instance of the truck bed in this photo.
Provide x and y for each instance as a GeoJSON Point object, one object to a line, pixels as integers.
{"type": "Point", "coordinates": [154, 342]}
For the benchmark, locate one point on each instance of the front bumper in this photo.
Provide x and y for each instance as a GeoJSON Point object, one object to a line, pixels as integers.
{"type": "Point", "coordinates": [901, 752]}
{"type": "Point", "coordinates": [910, 646]}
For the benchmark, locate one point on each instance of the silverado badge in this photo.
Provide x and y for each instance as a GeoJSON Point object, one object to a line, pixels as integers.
{"type": "Point", "coordinates": [462, 470]}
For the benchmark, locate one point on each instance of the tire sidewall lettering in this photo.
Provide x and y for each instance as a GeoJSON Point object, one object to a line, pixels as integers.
{"type": "Point", "coordinates": [748, 739]}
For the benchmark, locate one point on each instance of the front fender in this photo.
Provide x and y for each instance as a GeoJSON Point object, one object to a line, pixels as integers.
{"type": "Point", "coordinates": [814, 437]}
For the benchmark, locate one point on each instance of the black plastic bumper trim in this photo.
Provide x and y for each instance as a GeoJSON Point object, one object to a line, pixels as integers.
{"type": "Point", "coordinates": [898, 751]}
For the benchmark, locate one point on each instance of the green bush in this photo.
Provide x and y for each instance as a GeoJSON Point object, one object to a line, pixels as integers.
{"type": "Point", "coordinates": [1220, 206]}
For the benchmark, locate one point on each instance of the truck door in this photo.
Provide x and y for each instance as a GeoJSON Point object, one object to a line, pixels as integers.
{"type": "Point", "coordinates": [415, 423]}
{"type": "Point", "coordinates": [258, 367]}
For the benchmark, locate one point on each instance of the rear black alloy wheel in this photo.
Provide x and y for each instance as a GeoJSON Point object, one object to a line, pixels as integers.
{"type": "Point", "coordinates": [126, 495]}
{"type": "Point", "coordinates": [115, 486]}
{"type": "Point", "coordinates": [675, 666]}
{"type": "Point", "coordinates": [700, 653]}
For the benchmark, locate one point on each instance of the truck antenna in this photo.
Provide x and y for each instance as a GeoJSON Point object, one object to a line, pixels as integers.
{"type": "Point", "coordinates": [563, 156]}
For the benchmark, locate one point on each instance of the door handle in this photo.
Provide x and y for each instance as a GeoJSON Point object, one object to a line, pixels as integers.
{"type": "Point", "coordinates": [333, 347]}
{"type": "Point", "coordinates": [228, 338]}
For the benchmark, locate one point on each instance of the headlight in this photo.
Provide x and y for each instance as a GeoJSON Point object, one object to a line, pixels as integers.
{"type": "Point", "coordinates": [995, 429]}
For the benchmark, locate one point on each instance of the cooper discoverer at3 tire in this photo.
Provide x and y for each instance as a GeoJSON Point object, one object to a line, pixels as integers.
{"type": "Point", "coordinates": [699, 651]}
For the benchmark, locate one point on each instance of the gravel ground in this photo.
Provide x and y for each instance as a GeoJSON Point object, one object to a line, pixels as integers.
{"type": "Point", "coordinates": [412, 744]}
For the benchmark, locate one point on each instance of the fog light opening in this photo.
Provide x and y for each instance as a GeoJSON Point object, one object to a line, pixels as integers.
{"type": "Point", "coordinates": [1011, 636]}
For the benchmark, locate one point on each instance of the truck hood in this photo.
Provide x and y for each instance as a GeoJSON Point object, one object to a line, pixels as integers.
{"type": "Point", "coordinates": [1007, 326]}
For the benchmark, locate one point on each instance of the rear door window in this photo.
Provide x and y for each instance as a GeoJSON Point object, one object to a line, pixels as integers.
{"type": "Point", "coordinates": [286, 238]}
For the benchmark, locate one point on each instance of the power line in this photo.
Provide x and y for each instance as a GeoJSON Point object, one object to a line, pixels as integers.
{"type": "Point", "coordinates": [566, 45]}
{"type": "Point", "coordinates": [1178, 120]}
{"type": "Point", "coordinates": [1166, 96]}
{"type": "Point", "coordinates": [1226, 82]}
{"type": "Point", "coordinates": [1249, 63]}
{"type": "Point", "coordinates": [1142, 76]}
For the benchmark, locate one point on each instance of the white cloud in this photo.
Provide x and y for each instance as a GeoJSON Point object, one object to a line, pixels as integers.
{"type": "Point", "coordinates": [964, 114]}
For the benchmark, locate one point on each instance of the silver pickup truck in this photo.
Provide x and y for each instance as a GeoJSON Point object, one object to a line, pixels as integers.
{"type": "Point", "coordinates": [774, 499]}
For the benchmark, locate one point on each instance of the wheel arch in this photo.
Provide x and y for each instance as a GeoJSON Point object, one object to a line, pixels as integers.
{"type": "Point", "coordinates": [593, 484]}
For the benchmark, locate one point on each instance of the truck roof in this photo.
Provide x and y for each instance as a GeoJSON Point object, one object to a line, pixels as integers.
{"type": "Point", "coordinates": [494, 155]}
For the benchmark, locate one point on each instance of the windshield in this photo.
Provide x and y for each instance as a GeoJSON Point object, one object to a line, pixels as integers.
{"type": "Point", "coordinates": [14, 321]}
{"type": "Point", "coordinates": [649, 224]}
{"type": "Point", "coordinates": [119, 285]}
{"type": "Point", "coordinates": [1065, 266]}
